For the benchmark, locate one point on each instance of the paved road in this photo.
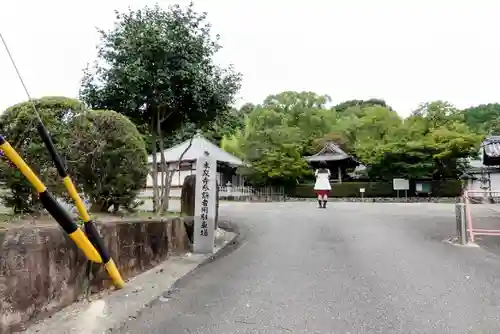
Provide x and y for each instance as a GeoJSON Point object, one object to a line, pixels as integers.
{"type": "Point", "coordinates": [352, 268]}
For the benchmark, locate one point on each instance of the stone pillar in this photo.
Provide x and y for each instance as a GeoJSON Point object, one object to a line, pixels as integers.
{"type": "Point", "coordinates": [187, 204]}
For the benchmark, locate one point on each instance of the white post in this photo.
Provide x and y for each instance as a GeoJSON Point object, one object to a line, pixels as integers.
{"type": "Point", "coordinates": [204, 206]}
{"type": "Point", "coordinates": [340, 173]}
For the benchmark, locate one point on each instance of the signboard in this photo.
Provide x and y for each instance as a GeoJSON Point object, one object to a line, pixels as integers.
{"type": "Point", "coordinates": [361, 190]}
{"type": "Point", "coordinates": [401, 184]}
{"type": "Point", "coordinates": [422, 187]}
{"type": "Point", "coordinates": [204, 205]}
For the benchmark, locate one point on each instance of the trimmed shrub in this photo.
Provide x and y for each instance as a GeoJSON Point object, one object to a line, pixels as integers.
{"type": "Point", "coordinates": [449, 188]}
{"type": "Point", "coordinates": [107, 158]}
{"type": "Point", "coordinates": [18, 124]}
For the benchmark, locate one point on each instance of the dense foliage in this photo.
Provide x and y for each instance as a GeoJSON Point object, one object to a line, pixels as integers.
{"type": "Point", "coordinates": [434, 142]}
{"type": "Point", "coordinates": [18, 123]}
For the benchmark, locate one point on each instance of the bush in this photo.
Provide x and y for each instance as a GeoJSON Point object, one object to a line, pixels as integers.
{"type": "Point", "coordinates": [107, 159]}
{"type": "Point", "coordinates": [18, 124]}
{"type": "Point", "coordinates": [449, 188]}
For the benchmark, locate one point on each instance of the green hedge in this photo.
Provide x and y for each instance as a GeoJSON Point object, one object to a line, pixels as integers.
{"type": "Point", "coordinates": [449, 188]}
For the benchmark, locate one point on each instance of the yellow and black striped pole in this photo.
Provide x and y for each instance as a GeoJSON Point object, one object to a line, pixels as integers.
{"type": "Point", "coordinates": [89, 226]}
{"type": "Point", "coordinates": [51, 205]}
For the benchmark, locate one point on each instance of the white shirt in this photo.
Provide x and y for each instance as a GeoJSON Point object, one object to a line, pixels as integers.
{"type": "Point", "coordinates": [322, 181]}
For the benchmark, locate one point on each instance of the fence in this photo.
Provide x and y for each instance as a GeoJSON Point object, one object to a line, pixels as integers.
{"type": "Point", "coordinates": [481, 212]}
{"type": "Point", "coordinates": [226, 193]}
{"type": "Point", "coordinates": [245, 193]}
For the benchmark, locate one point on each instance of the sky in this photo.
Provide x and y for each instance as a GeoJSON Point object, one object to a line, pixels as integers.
{"type": "Point", "coordinates": [406, 52]}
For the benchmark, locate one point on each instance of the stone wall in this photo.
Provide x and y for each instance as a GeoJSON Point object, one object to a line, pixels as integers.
{"type": "Point", "coordinates": [41, 270]}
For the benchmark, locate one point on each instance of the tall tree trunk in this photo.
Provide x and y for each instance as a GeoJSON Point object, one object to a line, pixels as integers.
{"type": "Point", "coordinates": [169, 176]}
{"type": "Point", "coordinates": [164, 171]}
{"type": "Point", "coordinates": [155, 170]}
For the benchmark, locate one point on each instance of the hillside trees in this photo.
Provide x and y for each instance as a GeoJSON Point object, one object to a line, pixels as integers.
{"type": "Point", "coordinates": [484, 118]}
{"type": "Point", "coordinates": [431, 143]}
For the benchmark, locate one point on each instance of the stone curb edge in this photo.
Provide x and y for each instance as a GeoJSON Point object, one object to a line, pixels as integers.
{"type": "Point", "coordinates": [220, 252]}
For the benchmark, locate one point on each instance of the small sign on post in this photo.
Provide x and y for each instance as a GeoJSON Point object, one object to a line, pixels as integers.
{"type": "Point", "coordinates": [362, 191]}
{"type": "Point", "coordinates": [401, 184]}
{"type": "Point", "coordinates": [204, 205]}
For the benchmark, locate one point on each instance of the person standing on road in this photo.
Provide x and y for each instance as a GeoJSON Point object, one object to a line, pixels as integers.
{"type": "Point", "coordinates": [322, 186]}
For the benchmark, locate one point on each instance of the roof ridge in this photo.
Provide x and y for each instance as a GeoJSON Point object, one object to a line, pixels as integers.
{"type": "Point", "coordinates": [332, 146]}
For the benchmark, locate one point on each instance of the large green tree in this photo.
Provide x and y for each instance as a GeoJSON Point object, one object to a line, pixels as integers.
{"type": "Point", "coordinates": [431, 143]}
{"type": "Point", "coordinates": [344, 106]}
{"type": "Point", "coordinates": [271, 146]}
{"type": "Point", "coordinates": [483, 118]}
{"type": "Point", "coordinates": [156, 67]}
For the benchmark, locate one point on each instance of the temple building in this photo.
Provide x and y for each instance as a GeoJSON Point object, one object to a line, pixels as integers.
{"type": "Point", "coordinates": [339, 162]}
{"type": "Point", "coordinates": [188, 152]}
{"type": "Point", "coordinates": [484, 173]}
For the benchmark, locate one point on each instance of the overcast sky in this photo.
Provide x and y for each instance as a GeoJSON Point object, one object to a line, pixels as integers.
{"type": "Point", "coordinates": [406, 51]}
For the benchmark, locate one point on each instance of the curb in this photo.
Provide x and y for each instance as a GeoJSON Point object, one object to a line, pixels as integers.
{"type": "Point", "coordinates": [110, 312]}
{"type": "Point", "coordinates": [228, 247]}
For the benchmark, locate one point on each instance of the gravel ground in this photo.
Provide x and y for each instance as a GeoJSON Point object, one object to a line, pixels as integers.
{"type": "Point", "coordinates": [352, 268]}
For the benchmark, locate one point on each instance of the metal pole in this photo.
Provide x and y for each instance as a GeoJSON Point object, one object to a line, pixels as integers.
{"type": "Point", "coordinates": [458, 219]}
{"type": "Point", "coordinates": [461, 223]}
{"type": "Point", "coordinates": [468, 218]}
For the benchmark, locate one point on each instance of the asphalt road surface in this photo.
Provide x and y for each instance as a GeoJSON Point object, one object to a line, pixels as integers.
{"type": "Point", "coordinates": [352, 268]}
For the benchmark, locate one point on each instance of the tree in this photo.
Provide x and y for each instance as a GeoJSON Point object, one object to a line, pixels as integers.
{"type": "Point", "coordinates": [376, 123]}
{"type": "Point", "coordinates": [431, 143]}
{"type": "Point", "coordinates": [272, 147]}
{"type": "Point", "coordinates": [438, 113]}
{"type": "Point", "coordinates": [483, 118]}
{"type": "Point", "coordinates": [274, 155]}
{"type": "Point", "coordinates": [155, 66]}
{"type": "Point", "coordinates": [288, 101]}
{"type": "Point", "coordinates": [18, 124]}
{"type": "Point", "coordinates": [107, 159]}
{"type": "Point", "coordinates": [282, 166]}
{"type": "Point", "coordinates": [344, 106]}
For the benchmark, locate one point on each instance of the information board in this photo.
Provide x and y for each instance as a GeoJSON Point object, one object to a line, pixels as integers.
{"type": "Point", "coordinates": [401, 184]}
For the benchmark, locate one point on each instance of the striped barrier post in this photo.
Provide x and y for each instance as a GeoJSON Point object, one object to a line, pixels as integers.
{"type": "Point", "coordinates": [51, 205]}
{"type": "Point", "coordinates": [89, 226]}
{"type": "Point", "coordinates": [91, 244]}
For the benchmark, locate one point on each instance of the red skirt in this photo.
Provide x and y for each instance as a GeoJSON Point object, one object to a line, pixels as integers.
{"type": "Point", "coordinates": [322, 192]}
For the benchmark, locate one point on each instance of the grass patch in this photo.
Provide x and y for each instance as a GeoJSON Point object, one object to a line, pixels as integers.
{"type": "Point", "coordinates": [5, 218]}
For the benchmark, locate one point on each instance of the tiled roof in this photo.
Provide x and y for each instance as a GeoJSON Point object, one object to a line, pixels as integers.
{"type": "Point", "coordinates": [491, 146]}
{"type": "Point", "coordinates": [331, 152]}
{"type": "Point", "coordinates": [199, 145]}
